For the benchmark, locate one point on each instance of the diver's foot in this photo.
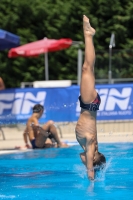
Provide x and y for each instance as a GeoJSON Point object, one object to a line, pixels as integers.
{"type": "Point", "coordinates": [88, 30]}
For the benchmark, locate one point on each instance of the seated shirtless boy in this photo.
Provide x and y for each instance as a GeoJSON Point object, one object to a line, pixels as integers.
{"type": "Point", "coordinates": [41, 137]}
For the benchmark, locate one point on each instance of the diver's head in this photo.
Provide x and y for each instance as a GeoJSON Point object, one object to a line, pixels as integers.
{"type": "Point", "coordinates": [99, 161]}
{"type": "Point", "coordinates": [38, 108]}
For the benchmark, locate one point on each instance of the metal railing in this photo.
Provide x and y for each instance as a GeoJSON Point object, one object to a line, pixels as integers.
{"type": "Point", "coordinates": [98, 81]}
{"type": "Point", "coordinates": [67, 129]}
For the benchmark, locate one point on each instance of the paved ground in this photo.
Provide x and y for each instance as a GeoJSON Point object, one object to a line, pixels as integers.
{"type": "Point", "coordinates": [14, 137]}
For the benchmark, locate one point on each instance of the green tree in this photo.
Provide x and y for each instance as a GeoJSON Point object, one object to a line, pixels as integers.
{"type": "Point", "coordinates": [54, 19]}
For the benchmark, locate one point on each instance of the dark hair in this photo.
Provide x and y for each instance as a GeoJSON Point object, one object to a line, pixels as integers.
{"type": "Point", "coordinates": [100, 161]}
{"type": "Point", "coordinates": [37, 108]}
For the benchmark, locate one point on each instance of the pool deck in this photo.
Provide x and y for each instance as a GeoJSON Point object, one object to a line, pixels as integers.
{"type": "Point", "coordinates": [14, 139]}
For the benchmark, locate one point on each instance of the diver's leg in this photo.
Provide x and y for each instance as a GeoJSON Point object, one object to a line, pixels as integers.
{"type": "Point", "coordinates": [87, 85]}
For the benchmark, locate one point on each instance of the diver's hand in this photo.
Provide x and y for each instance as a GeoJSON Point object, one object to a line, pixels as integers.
{"type": "Point", "coordinates": [90, 174]}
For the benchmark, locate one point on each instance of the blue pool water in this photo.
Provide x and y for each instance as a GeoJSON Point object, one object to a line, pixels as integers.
{"type": "Point", "coordinates": [58, 174]}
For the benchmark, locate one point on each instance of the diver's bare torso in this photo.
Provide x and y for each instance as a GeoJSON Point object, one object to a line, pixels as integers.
{"type": "Point", "coordinates": [86, 126]}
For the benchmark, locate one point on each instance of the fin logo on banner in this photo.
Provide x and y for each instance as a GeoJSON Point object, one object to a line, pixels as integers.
{"type": "Point", "coordinates": [20, 102]}
{"type": "Point", "coordinates": [110, 98]}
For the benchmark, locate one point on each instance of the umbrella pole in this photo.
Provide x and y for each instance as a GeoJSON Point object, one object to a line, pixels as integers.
{"type": "Point", "coordinates": [79, 65]}
{"type": "Point", "coordinates": [46, 66]}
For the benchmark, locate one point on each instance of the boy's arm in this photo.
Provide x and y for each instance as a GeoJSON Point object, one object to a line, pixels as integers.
{"type": "Point", "coordinates": [25, 137]}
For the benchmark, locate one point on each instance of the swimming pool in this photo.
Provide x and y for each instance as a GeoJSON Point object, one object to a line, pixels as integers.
{"type": "Point", "coordinates": [58, 174]}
